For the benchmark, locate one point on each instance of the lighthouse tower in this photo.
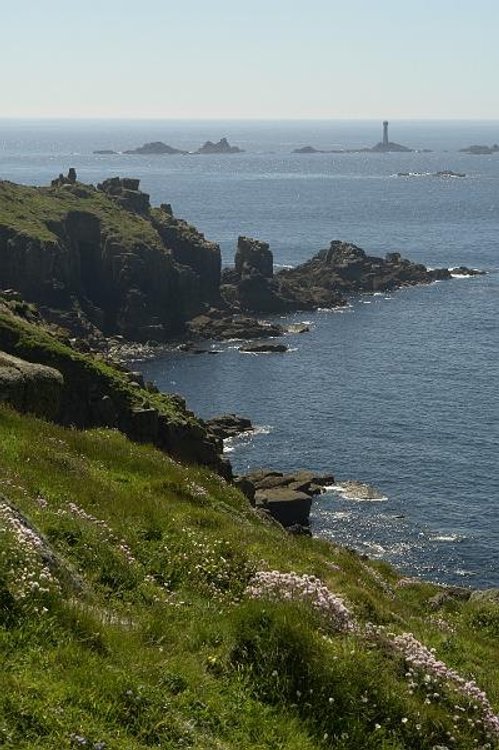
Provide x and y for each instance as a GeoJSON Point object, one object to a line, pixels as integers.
{"type": "Point", "coordinates": [385, 133]}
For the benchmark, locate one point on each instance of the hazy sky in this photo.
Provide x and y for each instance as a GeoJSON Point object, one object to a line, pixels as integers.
{"type": "Point", "coordinates": [251, 59]}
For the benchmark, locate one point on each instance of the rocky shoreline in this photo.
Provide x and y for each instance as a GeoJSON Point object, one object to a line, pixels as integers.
{"type": "Point", "coordinates": [108, 277]}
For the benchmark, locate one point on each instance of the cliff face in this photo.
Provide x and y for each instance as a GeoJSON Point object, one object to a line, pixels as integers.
{"type": "Point", "coordinates": [103, 254]}
{"type": "Point", "coordinates": [41, 375]}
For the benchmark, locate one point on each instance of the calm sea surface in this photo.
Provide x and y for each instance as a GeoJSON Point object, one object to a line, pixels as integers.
{"type": "Point", "coordinates": [400, 390]}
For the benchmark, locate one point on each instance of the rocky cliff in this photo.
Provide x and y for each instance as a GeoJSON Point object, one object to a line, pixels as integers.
{"type": "Point", "coordinates": [42, 375]}
{"type": "Point", "coordinates": [104, 258]}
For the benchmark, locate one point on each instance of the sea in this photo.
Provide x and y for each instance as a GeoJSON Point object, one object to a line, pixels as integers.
{"type": "Point", "coordinates": [397, 390]}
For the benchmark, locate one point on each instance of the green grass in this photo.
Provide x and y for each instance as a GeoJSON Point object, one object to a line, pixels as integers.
{"type": "Point", "coordinates": [145, 637]}
{"type": "Point", "coordinates": [82, 373]}
{"type": "Point", "coordinates": [33, 211]}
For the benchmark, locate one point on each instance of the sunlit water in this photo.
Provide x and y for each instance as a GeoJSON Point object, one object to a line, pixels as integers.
{"type": "Point", "coordinates": [399, 390]}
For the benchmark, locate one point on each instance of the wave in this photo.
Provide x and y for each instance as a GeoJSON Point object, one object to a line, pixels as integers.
{"type": "Point", "coordinates": [348, 492]}
{"type": "Point", "coordinates": [231, 443]}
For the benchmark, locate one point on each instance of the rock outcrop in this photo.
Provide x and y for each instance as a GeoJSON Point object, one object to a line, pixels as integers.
{"type": "Point", "coordinates": [322, 282]}
{"type": "Point", "coordinates": [286, 497]}
{"type": "Point", "coordinates": [228, 425]}
{"type": "Point", "coordinates": [223, 324]}
{"type": "Point", "coordinates": [29, 387]}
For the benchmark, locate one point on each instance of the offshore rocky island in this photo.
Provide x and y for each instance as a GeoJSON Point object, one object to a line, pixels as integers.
{"type": "Point", "coordinates": [144, 602]}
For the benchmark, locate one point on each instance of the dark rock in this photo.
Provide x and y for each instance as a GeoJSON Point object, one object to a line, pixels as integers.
{"type": "Point", "coordinates": [144, 425]}
{"type": "Point", "coordinates": [62, 181]}
{"type": "Point", "coordinates": [465, 271]}
{"type": "Point", "coordinates": [155, 148]}
{"type": "Point", "coordinates": [263, 348]}
{"type": "Point", "coordinates": [125, 191]}
{"type": "Point", "coordinates": [449, 173]}
{"type": "Point", "coordinates": [246, 487]}
{"type": "Point", "coordinates": [191, 249]}
{"type": "Point", "coordinates": [217, 324]}
{"type": "Point", "coordinates": [286, 506]}
{"type": "Point", "coordinates": [228, 425]}
{"type": "Point", "coordinates": [253, 257]}
{"type": "Point", "coordinates": [104, 412]}
{"type": "Point", "coordinates": [221, 147]}
{"type": "Point", "coordinates": [105, 151]}
{"type": "Point", "coordinates": [30, 388]}
{"type": "Point", "coordinates": [287, 497]}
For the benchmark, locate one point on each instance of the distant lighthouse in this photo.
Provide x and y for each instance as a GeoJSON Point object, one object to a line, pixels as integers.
{"type": "Point", "coordinates": [385, 133]}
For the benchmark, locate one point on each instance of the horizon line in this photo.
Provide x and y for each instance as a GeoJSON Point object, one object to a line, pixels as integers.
{"type": "Point", "coordinates": [98, 118]}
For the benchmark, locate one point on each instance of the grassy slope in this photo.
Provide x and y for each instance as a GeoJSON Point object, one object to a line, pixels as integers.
{"type": "Point", "coordinates": [32, 342]}
{"type": "Point", "coordinates": [148, 640]}
{"type": "Point", "coordinates": [28, 209]}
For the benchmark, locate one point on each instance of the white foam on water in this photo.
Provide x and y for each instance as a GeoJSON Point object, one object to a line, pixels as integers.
{"type": "Point", "coordinates": [231, 443]}
{"type": "Point", "coordinates": [345, 493]}
{"type": "Point", "coordinates": [447, 538]}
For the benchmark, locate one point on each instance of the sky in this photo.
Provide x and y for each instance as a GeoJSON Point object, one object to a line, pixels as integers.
{"type": "Point", "coordinates": [257, 59]}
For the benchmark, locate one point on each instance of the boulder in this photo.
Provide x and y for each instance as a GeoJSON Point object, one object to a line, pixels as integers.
{"type": "Point", "coordinates": [287, 497]}
{"type": "Point", "coordinates": [286, 506]}
{"type": "Point", "coordinates": [30, 388]}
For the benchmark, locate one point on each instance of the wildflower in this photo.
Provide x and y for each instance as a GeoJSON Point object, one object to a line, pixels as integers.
{"type": "Point", "coordinates": [281, 586]}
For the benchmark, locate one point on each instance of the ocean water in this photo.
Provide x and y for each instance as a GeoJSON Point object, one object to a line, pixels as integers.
{"type": "Point", "coordinates": [398, 390]}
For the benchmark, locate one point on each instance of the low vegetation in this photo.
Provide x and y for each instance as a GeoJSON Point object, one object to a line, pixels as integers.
{"type": "Point", "coordinates": [35, 211]}
{"type": "Point", "coordinates": [144, 604]}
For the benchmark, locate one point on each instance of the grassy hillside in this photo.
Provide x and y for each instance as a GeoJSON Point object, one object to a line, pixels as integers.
{"type": "Point", "coordinates": [126, 620]}
{"type": "Point", "coordinates": [33, 211]}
